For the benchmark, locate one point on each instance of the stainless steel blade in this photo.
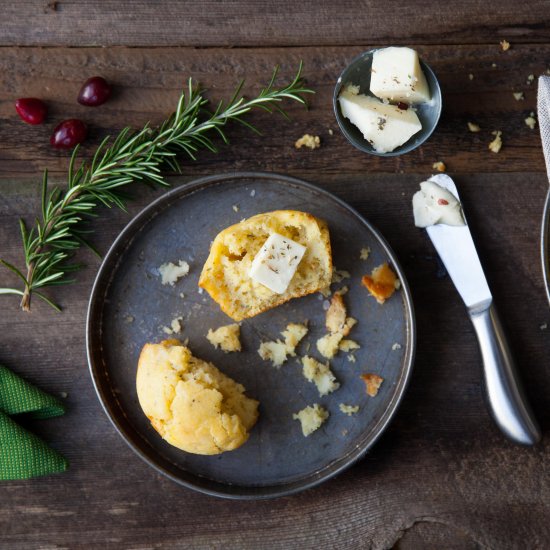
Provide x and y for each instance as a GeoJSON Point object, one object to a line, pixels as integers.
{"type": "Point", "coordinates": [458, 253]}
{"type": "Point", "coordinates": [505, 396]}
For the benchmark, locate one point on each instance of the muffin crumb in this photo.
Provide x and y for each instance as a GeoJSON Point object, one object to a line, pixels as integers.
{"type": "Point", "coordinates": [496, 145]}
{"type": "Point", "coordinates": [309, 141]}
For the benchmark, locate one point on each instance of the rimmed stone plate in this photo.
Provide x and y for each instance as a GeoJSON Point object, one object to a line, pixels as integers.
{"type": "Point", "coordinates": [129, 307]}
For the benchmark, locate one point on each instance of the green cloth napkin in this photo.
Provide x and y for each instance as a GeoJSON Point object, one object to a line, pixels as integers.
{"type": "Point", "coordinates": [23, 454]}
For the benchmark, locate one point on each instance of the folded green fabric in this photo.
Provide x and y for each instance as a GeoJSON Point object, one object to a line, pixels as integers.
{"type": "Point", "coordinates": [22, 454]}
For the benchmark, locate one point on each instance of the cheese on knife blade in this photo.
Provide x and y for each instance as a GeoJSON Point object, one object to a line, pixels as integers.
{"type": "Point", "coordinates": [433, 205]}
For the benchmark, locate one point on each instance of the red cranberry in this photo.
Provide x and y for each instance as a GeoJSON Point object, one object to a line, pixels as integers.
{"type": "Point", "coordinates": [31, 110]}
{"type": "Point", "coordinates": [95, 91]}
{"type": "Point", "coordinates": [69, 133]}
{"type": "Point", "coordinates": [403, 106]}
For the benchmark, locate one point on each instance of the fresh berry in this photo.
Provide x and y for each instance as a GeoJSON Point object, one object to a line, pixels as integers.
{"type": "Point", "coordinates": [95, 91]}
{"type": "Point", "coordinates": [31, 110]}
{"type": "Point", "coordinates": [403, 106]}
{"type": "Point", "coordinates": [69, 133]}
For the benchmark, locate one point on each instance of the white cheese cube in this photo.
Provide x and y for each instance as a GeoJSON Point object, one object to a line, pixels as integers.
{"type": "Point", "coordinates": [276, 262]}
{"type": "Point", "coordinates": [384, 126]}
{"type": "Point", "coordinates": [396, 75]}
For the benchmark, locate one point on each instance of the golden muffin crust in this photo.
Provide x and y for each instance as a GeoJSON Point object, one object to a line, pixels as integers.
{"type": "Point", "coordinates": [225, 273]}
{"type": "Point", "coordinates": [190, 403]}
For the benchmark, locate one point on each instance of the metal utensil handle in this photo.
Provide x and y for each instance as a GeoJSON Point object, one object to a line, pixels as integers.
{"type": "Point", "coordinates": [505, 395]}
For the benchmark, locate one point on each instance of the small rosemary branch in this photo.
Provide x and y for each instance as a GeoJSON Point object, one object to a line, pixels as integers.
{"type": "Point", "coordinates": [132, 156]}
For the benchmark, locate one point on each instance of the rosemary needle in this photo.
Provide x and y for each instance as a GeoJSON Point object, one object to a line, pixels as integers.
{"type": "Point", "coordinates": [132, 156]}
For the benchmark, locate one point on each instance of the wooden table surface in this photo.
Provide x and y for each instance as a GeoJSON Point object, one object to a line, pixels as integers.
{"type": "Point", "coordinates": [442, 476]}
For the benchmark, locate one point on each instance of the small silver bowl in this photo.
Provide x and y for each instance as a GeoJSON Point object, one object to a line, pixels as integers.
{"type": "Point", "coordinates": [358, 73]}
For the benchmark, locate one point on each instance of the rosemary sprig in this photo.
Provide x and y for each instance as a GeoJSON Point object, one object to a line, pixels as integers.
{"type": "Point", "coordinates": [132, 156]}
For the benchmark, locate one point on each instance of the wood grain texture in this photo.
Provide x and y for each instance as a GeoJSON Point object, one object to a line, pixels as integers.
{"type": "Point", "coordinates": [148, 83]}
{"type": "Point", "coordinates": [264, 23]}
{"type": "Point", "coordinates": [442, 476]}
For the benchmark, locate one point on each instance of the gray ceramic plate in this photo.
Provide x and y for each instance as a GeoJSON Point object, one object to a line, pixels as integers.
{"type": "Point", "coordinates": [129, 306]}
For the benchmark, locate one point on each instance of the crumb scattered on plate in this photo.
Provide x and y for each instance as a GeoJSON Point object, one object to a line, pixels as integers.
{"type": "Point", "coordinates": [531, 121]}
{"type": "Point", "coordinates": [396, 346]}
{"type": "Point", "coordinates": [311, 418]}
{"type": "Point", "coordinates": [338, 275]}
{"type": "Point", "coordinates": [530, 78]}
{"type": "Point", "coordinates": [439, 166]}
{"type": "Point", "coordinates": [348, 409]}
{"type": "Point", "coordinates": [328, 345]}
{"type": "Point", "coordinates": [544, 326]}
{"type": "Point", "coordinates": [319, 374]}
{"type": "Point", "coordinates": [496, 145]}
{"type": "Point", "coordinates": [235, 208]}
{"type": "Point", "coordinates": [372, 383]}
{"type": "Point", "coordinates": [518, 96]}
{"type": "Point", "coordinates": [226, 337]}
{"type": "Point", "coordinates": [339, 325]}
{"type": "Point", "coordinates": [348, 345]}
{"type": "Point", "coordinates": [253, 192]}
{"type": "Point", "coordinates": [336, 314]}
{"type": "Point", "coordinates": [330, 132]}
{"type": "Point", "coordinates": [471, 76]}
{"type": "Point", "coordinates": [351, 358]}
{"type": "Point", "coordinates": [381, 283]}
{"type": "Point", "coordinates": [365, 253]}
{"type": "Point", "coordinates": [170, 272]}
{"type": "Point", "coordinates": [324, 292]}
{"type": "Point", "coordinates": [175, 326]}
{"type": "Point", "coordinates": [309, 141]}
{"type": "Point", "coordinates": [129, 318]}
{"type": "Point", "coordinates": [474, 128]}
{"type": "Point", "coordinates": [277, 352]}
{"type": "Point", "coordinates": [494, 65]}
{"type": "Point", "coordinates": [504, 45]}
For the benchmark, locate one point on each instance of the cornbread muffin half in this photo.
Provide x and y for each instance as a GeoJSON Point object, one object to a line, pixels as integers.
{"type": "Point", "coordinates": [190, 403]}
{"type": "Point", "coordinates": [225, 275]}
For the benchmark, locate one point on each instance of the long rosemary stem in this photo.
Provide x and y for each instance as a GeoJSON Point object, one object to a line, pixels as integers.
{"type": "Point", "coordinates": [130, 157]}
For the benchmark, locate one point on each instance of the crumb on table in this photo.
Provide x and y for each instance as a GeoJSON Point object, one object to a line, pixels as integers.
{"type": "Point", "coordinates": [439, 166]}
{"type": "Point", "coordinates": [474, 128]}
{"type": "Point", "coordinates": [531, 121]}
{"type": "Point", "coordinates": [496, 145]}
{"type": "Point", "coordinates": [309, 141]}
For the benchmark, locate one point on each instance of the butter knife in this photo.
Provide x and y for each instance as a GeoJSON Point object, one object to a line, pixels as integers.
{"type": "Point", "coordinates": [505, 396]}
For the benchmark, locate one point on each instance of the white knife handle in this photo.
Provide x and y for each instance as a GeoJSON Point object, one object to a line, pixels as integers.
{"type": "Point", "coordinates": [507, 402]}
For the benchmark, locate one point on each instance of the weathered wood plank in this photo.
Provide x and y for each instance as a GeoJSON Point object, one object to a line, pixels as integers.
{"type": "Point", "coordinates": [265, 23]}
{"type": "Point", "coordinates": [148, 84]}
